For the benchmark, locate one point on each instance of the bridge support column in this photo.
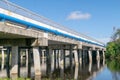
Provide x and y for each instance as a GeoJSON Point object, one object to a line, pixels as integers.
{"type": "Point", "coordinates": [80, 56]}
{"type": "Point", "coordinates": [62, 62]}
{"type": "Point", "coordinates": [29, 63]}
{"type": "Point", "coordinates": [103, 53]}
{"type": "Point", "coordinates": [90, 55]}
{"type": "Point", "coordinates": [59, 58]}
{"type": "Point", "coordinates": [7, 63]}
{"type": "Point", "coordinates": [3, 59]}
{"type": "Point", "coordinates": [14, 70]}
{"type": "Point", "coordinates": [75, 56]}
{"type": "Point", "coordinates": [43, 56]}
{"type": "Point", "coordinates": [52, 60]}
{"type": "Point", "coordinates": [55, 58]}
{"type": "Point", "coordinates": [98, 55]}
{"type": "Point", "coordinates": [37, 67]}
{"type": "Point", "coordinates": [71, 55]}
{"type": "Point", "coordinates": [83, 56]}
{"type": "Point", "coordinates": [26, 51]}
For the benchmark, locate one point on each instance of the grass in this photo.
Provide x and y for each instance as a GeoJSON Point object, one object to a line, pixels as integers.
{"type": "Point", "coordinates": [16, 79]}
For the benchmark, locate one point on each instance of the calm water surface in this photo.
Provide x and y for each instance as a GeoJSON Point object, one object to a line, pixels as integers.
{"type": "Point", "coordinates": [96, 70]}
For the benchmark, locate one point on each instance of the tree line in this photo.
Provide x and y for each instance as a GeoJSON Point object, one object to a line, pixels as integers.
{"type": "Point", "coordinates": [113, 47]}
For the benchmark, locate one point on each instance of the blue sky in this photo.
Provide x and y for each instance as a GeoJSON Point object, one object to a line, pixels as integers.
{"type": "Point", "coordinates": [95, 18]}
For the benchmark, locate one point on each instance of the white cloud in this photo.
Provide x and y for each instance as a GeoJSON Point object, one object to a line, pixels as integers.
{"type": "Point", "coordinates": [78, 15]}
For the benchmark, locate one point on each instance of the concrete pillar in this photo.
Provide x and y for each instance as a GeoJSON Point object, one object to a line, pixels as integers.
{"type": "Point", "coordinates": [48, 65]}
{"type": "Point", "coordinates": [19, 61]}
{"type": "Point", "coordinates": [52, 61]}
{"type": "Point", "coordinates": [3, 59]}
{"type": "Point", "coordinates": [98, 55]}
{"type": "Point", "coordinates": [70, 56]}
{"type": "Point", "coordinates": [43, 56]}
{"type": "Point", "coordinates": [62, 57]}
{"type": "Point", "coordinates": [56, 58]}
{"type": "Point", "coordinates": [90, 55]}
{"type": "Point", "coordinates": [26, 51]}
{"type": "Point", "coordinates": [29, 64]}
{"type": "Point", "coordinates": [75, 56]}
{"type": "Point", "coordinates": [59, 58]}
{"type": "Point", "coordinates": [14, 63]}
{"type": "Point", "coordinates": [37, 67]}
{"type": "Point", "coordinates": [103, 52]}
{"type": "Point", "coordinates": [7, 63]}
{"type": "Point", "coordinates": [80, 56]}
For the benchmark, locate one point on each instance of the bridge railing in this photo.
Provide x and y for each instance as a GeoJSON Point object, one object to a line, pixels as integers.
{"type": "Point", "coordinates": [26, 13]}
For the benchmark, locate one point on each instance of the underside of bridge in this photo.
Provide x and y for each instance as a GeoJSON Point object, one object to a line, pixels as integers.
{"type": "Point", "coordinates": [39, 39]}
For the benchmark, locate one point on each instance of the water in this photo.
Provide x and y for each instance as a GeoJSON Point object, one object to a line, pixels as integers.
{"type": "Point", "coordinates": [96, 70]}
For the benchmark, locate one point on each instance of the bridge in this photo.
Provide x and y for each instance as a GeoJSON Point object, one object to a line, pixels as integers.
{"type": "Point", "coordinates": [21, 29]}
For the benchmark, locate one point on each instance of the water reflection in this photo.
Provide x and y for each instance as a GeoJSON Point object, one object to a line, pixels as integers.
{"type": "Point", "coordinates": [114, 67]}
{"type": "Point", "coordinates": [53, 71]}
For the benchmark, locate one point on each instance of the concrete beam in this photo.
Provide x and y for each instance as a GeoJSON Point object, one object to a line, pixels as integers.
{"type": "Point", "coordinates": [40, 42]}
{"type": "Point", "coordinates": [19, 30]}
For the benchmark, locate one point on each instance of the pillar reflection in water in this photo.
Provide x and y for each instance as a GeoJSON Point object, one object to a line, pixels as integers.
{"type": "Point", "coordinates": [98, 64]}
{"type": "Point", "coordinates": [62, 72]}
{"type": "Point", "coordinates": [76, 73]}
{"type": "Point", "coordinates": [90, 67]}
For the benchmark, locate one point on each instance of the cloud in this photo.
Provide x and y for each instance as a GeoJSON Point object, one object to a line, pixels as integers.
{"type": "Point", "coordinates": [78, 15]}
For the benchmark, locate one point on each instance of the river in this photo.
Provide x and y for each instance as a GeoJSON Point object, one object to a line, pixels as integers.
{"type": "Point", "coordinates": [96, 70]}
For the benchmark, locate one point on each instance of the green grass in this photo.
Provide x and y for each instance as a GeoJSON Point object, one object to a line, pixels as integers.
{"type": "Point", "coordinates": [16, 79]}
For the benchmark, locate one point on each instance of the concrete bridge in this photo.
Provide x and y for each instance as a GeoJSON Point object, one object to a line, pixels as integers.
{"type": "Point", "coordinates": [43, 38]}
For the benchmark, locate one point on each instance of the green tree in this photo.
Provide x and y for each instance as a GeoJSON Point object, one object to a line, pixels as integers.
{"type": "Point", "coordinates": [116, 35]}
{"type": "Point", "coordinates": [110, 52]}
{"type": "Point", "coordinates": [113, 48]}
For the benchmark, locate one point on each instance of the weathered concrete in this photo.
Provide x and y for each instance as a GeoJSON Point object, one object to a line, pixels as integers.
{"type": "Point", "coordinates": [103, 52]}
{"type": "Point", "coordinates": [76, 56]}
{"type": "Point", "coordinates": [98, 55]}
{"type": "Point", "coordinates": [14, 63]}
{"type": "Point", "coordinates": [90, 55]}
{"type": "Point", "coordinates": [37, 67]}
{"type": "Point", "coordinates": [80, 56]}
{"type": "Point", "coordinates": [3, 59]}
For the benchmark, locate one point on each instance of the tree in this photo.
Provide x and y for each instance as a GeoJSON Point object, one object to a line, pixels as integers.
{"type": "Point", "coordinates": [116, 35]}
{"type": "Point", "coordinates": [113, 48]}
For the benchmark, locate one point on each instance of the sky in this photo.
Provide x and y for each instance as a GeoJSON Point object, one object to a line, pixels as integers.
{"type": "Point", "coordinates": [95, 18]}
